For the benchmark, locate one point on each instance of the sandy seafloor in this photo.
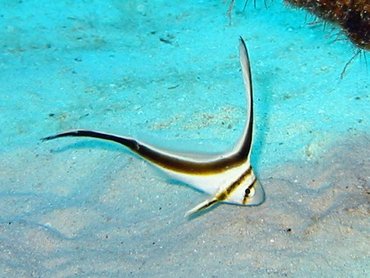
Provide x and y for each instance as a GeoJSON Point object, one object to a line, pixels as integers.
{"type": "Point", "coordinates": [168, 72]}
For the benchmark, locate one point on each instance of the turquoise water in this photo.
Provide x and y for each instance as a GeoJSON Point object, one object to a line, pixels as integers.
{"type": "Point", "coordinates": [168, 72]}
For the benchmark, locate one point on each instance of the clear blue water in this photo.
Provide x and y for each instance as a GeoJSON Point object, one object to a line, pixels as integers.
{"type": "Point", "coordinates": [168, 72]}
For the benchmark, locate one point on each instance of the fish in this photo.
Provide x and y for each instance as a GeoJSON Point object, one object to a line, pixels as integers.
{"type": "Point", "coordinates": [227, 177]}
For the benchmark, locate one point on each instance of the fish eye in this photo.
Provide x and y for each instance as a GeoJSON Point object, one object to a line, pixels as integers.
{"type": "Point", "coordinates": [249, 192]}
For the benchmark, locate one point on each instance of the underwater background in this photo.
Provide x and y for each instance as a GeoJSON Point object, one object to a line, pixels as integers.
{"type": "Point", "coordinates": [168, 72]}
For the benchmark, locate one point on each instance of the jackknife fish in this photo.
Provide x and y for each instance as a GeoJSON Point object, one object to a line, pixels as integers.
{"type": "Point", "coordinates": [227, 177]}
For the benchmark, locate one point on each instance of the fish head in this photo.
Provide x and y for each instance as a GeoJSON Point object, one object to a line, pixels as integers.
{"type": "Point", "coordinates": [248, 193]}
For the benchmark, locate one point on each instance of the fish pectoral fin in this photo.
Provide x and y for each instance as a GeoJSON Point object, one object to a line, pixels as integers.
{"type": "Point", "coordinates": [202, 206]}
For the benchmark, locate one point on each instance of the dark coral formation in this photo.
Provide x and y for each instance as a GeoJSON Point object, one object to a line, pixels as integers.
{"type": "Point", "coordinates": [353, 16]}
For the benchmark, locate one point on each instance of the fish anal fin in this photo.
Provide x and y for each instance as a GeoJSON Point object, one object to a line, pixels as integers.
{"type": "Point", "coordinates": [202, 206]}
